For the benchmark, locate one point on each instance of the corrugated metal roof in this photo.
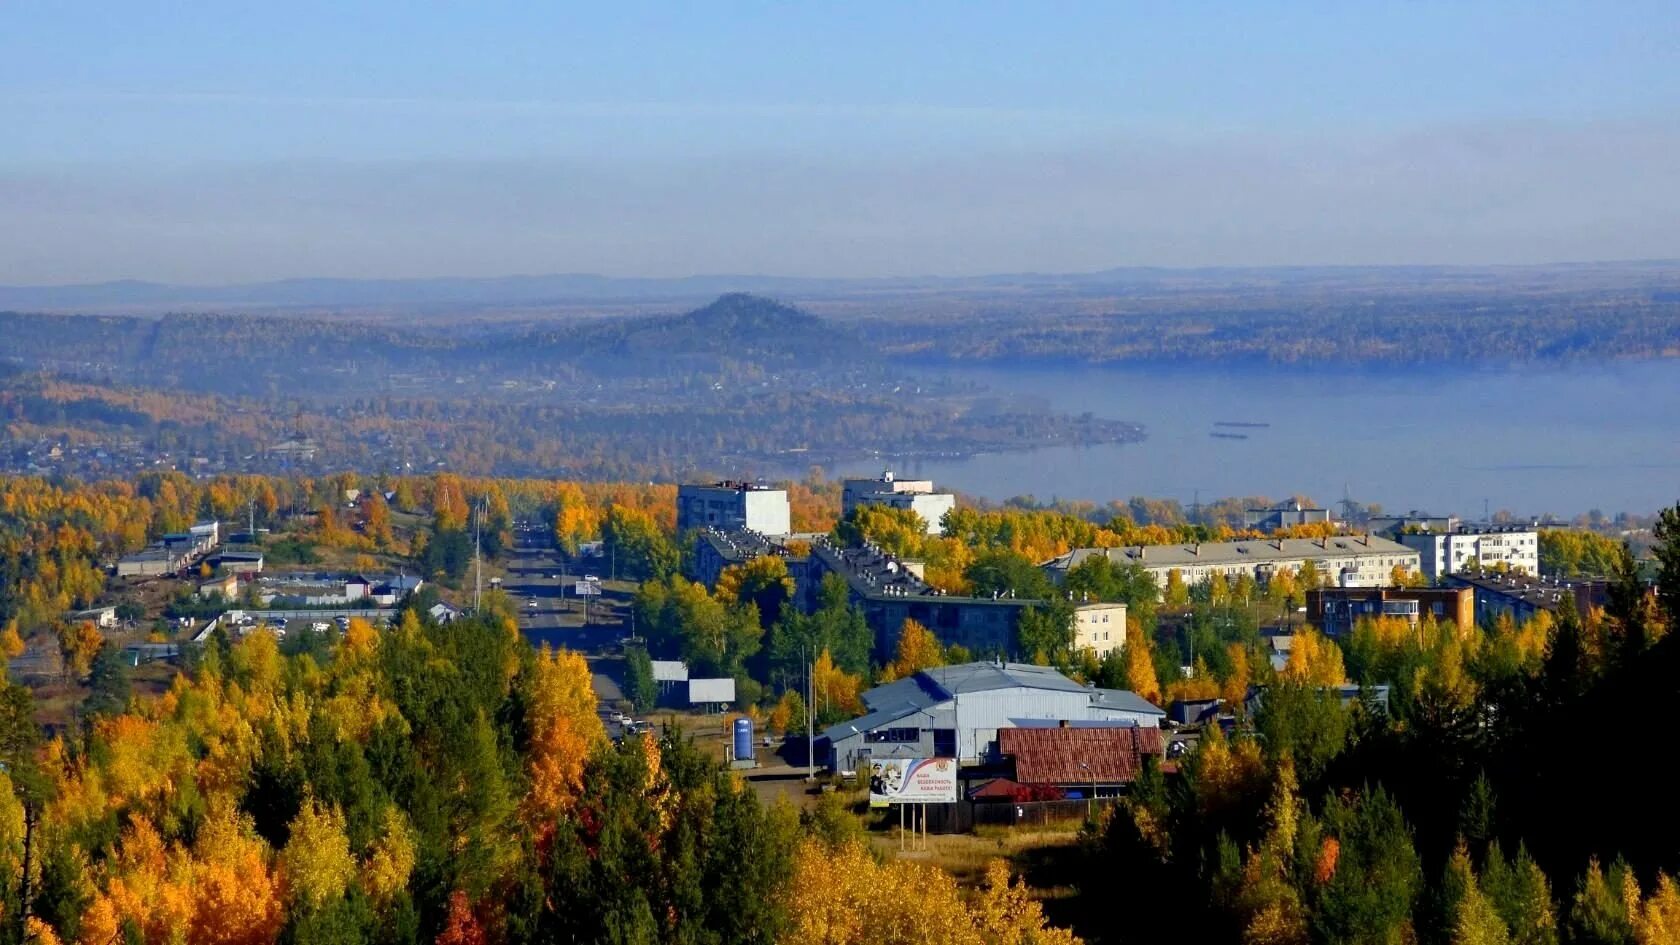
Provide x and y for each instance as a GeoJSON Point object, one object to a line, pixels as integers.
{"type": "Point", "coordinates": [1126, 701]}
{"type": "Point", "coordinates": [1078, 755]}
{"type": "Point", "coordinates": [1074, 723]}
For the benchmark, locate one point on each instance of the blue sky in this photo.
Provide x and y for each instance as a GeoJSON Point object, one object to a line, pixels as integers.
{"type": "Point", "coordinates": [194, 142]}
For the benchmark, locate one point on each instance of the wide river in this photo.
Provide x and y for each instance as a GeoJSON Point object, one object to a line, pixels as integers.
{"type": "Point", "coordinates": [1534, 440]}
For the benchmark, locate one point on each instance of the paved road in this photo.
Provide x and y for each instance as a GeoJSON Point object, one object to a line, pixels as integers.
{"type": "Point", "coordinates": [534, 574]}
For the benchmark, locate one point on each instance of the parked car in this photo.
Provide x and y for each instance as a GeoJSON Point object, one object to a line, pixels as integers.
{"type": "Point", "coordinates": [320, 626]}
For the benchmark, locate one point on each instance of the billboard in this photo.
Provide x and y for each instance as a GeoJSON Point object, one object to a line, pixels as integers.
{"type": "Point", "coordinates": [912, 781]}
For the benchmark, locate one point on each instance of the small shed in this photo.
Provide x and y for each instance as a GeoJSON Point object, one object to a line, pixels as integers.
{"type": "Point", "coordinates": [1193, 711]}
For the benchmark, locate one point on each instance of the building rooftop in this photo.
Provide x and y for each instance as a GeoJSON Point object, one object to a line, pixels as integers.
{"type": "Point", "coordinates": [873, 573]}
{"type": "Point", "coordinates": [1070, 755]}
{"type": "Point", "coordinates": [930, 687]}
{"type": "Point", "coordinates": [735, 485]}
{"type": "Point", "coordinates": [1425, 528]}
{"type": "Point", "coordinates": [1192, 554]}
{"type": "Point", "coordinates": [1546, 593]}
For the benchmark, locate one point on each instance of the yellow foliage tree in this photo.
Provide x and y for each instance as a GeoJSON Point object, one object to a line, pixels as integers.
{"type": "Point", "coordinates": [1140, 663]}
{"type": "Point", "coordinates": [843, 896]}
{"type": "Point", "coordinates": [917, 649]}
{"type": "Point", "coordinates": [564, 728]}
{"type": "Point", "coordinates": [78, 644]}
{"type": "Point", "coordinates": [1234, 688]}
{"type": "Point", "coordinates": [834, 690]}
{"type": "Point", "coordinates": [1176, 595]}
{"type": "Point", "coordinates": [1200, 685]}
{"type": "Point", "coordinates": [316, 862]}
{"type": "Point", "coordinates": [11, 642]}
{"type": "Point", "coordinates": [1315, 660]}
{"type": "Point", "coordinates": [390, 861]}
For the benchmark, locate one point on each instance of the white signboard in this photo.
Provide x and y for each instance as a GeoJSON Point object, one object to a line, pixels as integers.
{"type": "Point", "coordinates": [912, 781]}
{"type": "Point", "coordinates": [586, 589]}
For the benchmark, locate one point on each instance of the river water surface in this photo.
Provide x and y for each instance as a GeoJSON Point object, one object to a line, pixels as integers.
{"type": "Point", "coordinates": [1536, 441]}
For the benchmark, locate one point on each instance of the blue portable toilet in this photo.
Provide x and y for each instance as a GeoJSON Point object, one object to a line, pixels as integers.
{"type": "Point", "coordinates": [743, 739]}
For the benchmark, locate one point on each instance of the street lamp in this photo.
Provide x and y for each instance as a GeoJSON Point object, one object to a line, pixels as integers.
{"type": "Point", "coordinates": [1091, 802]}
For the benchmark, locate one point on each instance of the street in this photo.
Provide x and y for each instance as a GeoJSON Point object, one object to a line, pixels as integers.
{"type": "Point", "coordinates": [535, 573]}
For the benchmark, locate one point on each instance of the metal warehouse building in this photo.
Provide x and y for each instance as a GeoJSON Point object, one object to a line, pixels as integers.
{"type": "Point", "coordinates": [957, 711]}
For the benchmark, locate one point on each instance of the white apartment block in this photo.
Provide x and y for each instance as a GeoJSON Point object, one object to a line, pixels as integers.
{"type": "Point", "coordinates": [1342, 560]}
{"type": "Point", "coordinates": [1100, 628]}
{"type": "Point", "coordinates": [731, 506]}
{"type": "Point", "coordinates": [1517, 547]}
{"type": "Point", "coordinates": [917, 495]}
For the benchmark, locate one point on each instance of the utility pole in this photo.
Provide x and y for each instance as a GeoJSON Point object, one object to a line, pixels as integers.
{"type": "Point", "coordinates": [478, 557]}
{"type": "Point", "coordinates": [810, 718]}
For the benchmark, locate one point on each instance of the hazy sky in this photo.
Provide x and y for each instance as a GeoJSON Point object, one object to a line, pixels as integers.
{"type": "Point", "coordinates": [192, 142]}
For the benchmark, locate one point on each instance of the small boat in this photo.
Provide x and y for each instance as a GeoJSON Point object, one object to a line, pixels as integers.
{"type": "Point", "coordinates": [1229, 436]}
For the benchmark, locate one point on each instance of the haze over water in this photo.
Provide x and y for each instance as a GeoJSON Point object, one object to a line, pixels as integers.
{"type": "Point", "coordinates": [1533, 440]}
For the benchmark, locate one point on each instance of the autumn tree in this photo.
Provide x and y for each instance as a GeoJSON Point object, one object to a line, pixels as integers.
{"type": "Point", "coordinates": [316, 862]}
{"type": "Point", "coordinates": [918, 649]}
{"type": "Point", "coordinates": [1176, 595]}
{"type": "Point", "coordinates": [1139, 660]}
{"type": "Point", "coordinates": [561, 714]}
{"type": "Point", "coordinates": [1314, 659]}
{"type": "Point", "coordinates": [762, 581]}
{"type": "Point", "coordinates": [834, 691]}
{"type": "Point", "coordinates": [78, 644]}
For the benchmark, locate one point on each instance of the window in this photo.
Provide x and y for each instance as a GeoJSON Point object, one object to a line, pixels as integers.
{"type": "Point", "coordinates": [893, 735]}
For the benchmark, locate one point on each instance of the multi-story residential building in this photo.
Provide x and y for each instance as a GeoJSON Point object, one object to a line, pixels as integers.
{"type": "Point", "coordinates": [1515, 547]}
{"type": "Point", "coordinates": [731, 506]}
{"type": "Point", "coordinates": [1284, 515]}
{"type": "Point", "coordinates": [1521, 596]}
{"type": "Point", "coordinates": [1099, 627]}
{"type": "Point", "coordinates": [917, 495]}
{"type": "Point", "coordinates": [888, 592]}
{"type": "Point", "coordinates": [1343, 560]}
{"type": "Point", "coordinates": [1392, 525]}
{"type": "Point", "coordinates": [1335, 610]}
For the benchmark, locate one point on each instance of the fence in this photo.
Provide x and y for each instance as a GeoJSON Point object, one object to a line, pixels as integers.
{"type": "Point", "coordinates": [964, 816]}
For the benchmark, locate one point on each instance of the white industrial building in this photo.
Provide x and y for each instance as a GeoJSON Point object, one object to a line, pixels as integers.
{"type": "Point", "coordinates": [1343, 560]}
{"type": "Point", "coordinates": [1440, 553]}
{"type": "Point", "coordinates": [956, 712]}
{"type": "Point", "coordinates": [731, 506]}
{"type": "Point", "coordinates": [917, 495]}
